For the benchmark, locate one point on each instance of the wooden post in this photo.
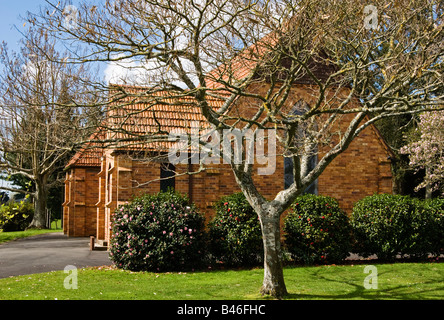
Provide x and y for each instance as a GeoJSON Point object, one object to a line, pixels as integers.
{"type": "Point", "coordinates": [91, 243]}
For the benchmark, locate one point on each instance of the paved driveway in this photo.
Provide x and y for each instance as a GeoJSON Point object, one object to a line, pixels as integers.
{"type": "Point", "coordinates": [47, 252]}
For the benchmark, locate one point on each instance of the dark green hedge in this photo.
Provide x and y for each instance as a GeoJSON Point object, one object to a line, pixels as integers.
{"type": "Point", "coordinates": [317, 230]}
{"type": "Point", "coordinates": [165, 232]}
{"type": "Point", "coordinates": [235, 233]}
{"type": "Point", "coordinates": [391, 225]}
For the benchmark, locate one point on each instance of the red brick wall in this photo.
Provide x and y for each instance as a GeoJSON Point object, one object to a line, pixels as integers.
{"type": "Point", "coordinates": [81, 195]}
{"type": "Point", "coordinates": [363, 169]}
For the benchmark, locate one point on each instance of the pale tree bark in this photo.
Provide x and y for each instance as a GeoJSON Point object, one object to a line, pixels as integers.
{"type": "Point", "coordinates": [273, 283]}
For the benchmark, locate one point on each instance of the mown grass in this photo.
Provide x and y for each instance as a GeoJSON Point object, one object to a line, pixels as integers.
{"type": "Point", "coordinates": [9, 236]}
{"type": "Point", "coordinates": [401, 281]}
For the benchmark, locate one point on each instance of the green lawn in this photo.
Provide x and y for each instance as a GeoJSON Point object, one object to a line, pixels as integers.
{"type": "Point", "coordinates": [8, 236]}
{"type": "Point", "coordinates": [395, 281]}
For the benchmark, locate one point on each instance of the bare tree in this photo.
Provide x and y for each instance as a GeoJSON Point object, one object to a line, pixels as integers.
{"type": "Point", "coordinates": [358, 63]}
{"type": "Point", "coordinates": [41, 122]}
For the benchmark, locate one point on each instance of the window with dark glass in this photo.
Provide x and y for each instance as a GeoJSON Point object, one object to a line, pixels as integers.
{"type": "Point", "coordinates": [300, 108]}
{"type": "Point", "coordinates": [167, 177]}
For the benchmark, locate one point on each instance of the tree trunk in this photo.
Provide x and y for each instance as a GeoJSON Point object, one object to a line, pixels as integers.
{"type": "Point", "coordinates": [40, 198]}
{"type": "Point", "coordinates": [273, 284]}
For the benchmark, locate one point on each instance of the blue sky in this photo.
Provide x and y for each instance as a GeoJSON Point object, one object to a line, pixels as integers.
{"type": "Point", "coordinates": [10, 12]}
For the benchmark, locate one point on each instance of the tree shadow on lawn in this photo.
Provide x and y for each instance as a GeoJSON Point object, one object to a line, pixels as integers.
{"type": "Point", "coordinates": [352, 284]}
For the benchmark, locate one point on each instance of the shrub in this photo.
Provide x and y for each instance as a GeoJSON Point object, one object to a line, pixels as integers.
{"type": "Point", "coordinates": [390, 225]}
{"type": "Point", "coordinates": [317, 230]}
{"type": "Point", "coordinates": [433, 213]}
{"type": "Point", "coordinates": [160, 232]}
{"type": "Point", "coordinates": [16, 216]}
{"type": "Point", "coordinates": [235, 232]}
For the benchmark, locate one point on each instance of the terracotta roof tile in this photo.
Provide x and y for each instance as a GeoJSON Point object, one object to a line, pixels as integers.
{"type": "Point", "coordinates": [89, 155]}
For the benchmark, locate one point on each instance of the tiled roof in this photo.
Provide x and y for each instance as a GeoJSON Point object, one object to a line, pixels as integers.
{"type": "Point", "coordinates": [140, 116]}
{"type": "Point", "coordinates": [90, 155]}
{"type": "Point", "coordinates": [145, 114]}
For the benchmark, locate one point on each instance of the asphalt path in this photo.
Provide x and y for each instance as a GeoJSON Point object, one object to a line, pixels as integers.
{"type": "Point", "coordinates": [48, 252]}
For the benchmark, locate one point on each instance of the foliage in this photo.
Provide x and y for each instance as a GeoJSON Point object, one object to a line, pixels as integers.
{"type": "Point", "coordinates": [433, 214]}
{"type": "Point", "coordinates": [16, 216]}
{"type": "Point", "coordinates": [317, 230]}
{"type": "Point", "coordinates": [160, 232]}
{"type": "Point", "coordinates": [426, 151]}
{"type": "Point", "coordinates": [391, 225]}
{"type": "Point", "coordinates": [235, 232]}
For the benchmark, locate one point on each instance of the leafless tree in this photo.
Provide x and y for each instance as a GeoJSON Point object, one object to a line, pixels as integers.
{"type": "Point", "coordinates": [361, 62]}
{"type": "Point", "coordinates": [41, 123]}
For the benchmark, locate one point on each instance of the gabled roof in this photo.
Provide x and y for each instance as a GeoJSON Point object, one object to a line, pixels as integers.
{"type": "Point", "coordinates": [141, 120]}
{"type": "Point", "coordinates": [135, 123]}
{"type": "Point", "coordinates": [90, 155]}
{"type": "Point", "coordinates": [143, 113]}
{"type": "Point", "coordinates": [241, 66]}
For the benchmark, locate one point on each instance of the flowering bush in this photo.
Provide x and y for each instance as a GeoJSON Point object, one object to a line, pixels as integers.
{"type": "Point", "coordinates": [317, 230]}
{"type": "Point", "coordinates": [390, 225]}
{"type": "Point", "coordinates": [235, 232]}
{"type": "Point", "coordinates": [427, 149]}
{"type": "Point", "coordinates": [160, 232]}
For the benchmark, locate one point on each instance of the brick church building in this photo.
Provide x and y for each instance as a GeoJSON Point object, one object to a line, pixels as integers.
{"type": "Point", "coordinates": [98, 180]}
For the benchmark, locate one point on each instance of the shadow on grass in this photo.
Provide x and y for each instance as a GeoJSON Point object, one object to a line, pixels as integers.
{"type": "Point", "coordinates": [353, 287]}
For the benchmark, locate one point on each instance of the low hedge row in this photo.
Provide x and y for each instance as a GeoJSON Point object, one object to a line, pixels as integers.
{"type": "Point", "coordinates": [165, 232]}
{"type": "Point", "coordinates": [392, 225]}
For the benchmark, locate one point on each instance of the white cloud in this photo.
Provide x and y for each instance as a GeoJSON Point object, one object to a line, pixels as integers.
{"type": "Point", "coordinates": [125, 71]}
{"type": "Point", "coordinates": [131, 72]}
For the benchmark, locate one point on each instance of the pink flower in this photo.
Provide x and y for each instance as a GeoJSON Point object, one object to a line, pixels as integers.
{"type": "Point", "coordinates": [171, 234]}
{"type": "Point", "coordinates": [164, 232]}
{"type": "Point", "coordinates": [172, 252]}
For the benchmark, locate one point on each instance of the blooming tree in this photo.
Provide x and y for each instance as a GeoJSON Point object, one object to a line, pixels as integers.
{"type": "Point", "coordinates": [427, 151]}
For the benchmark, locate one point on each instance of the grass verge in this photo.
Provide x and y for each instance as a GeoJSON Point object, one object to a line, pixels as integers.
{"type": "Point", "coordinates": [9, 236]}
{"type": "Point", "coordinates": [403, 281]}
